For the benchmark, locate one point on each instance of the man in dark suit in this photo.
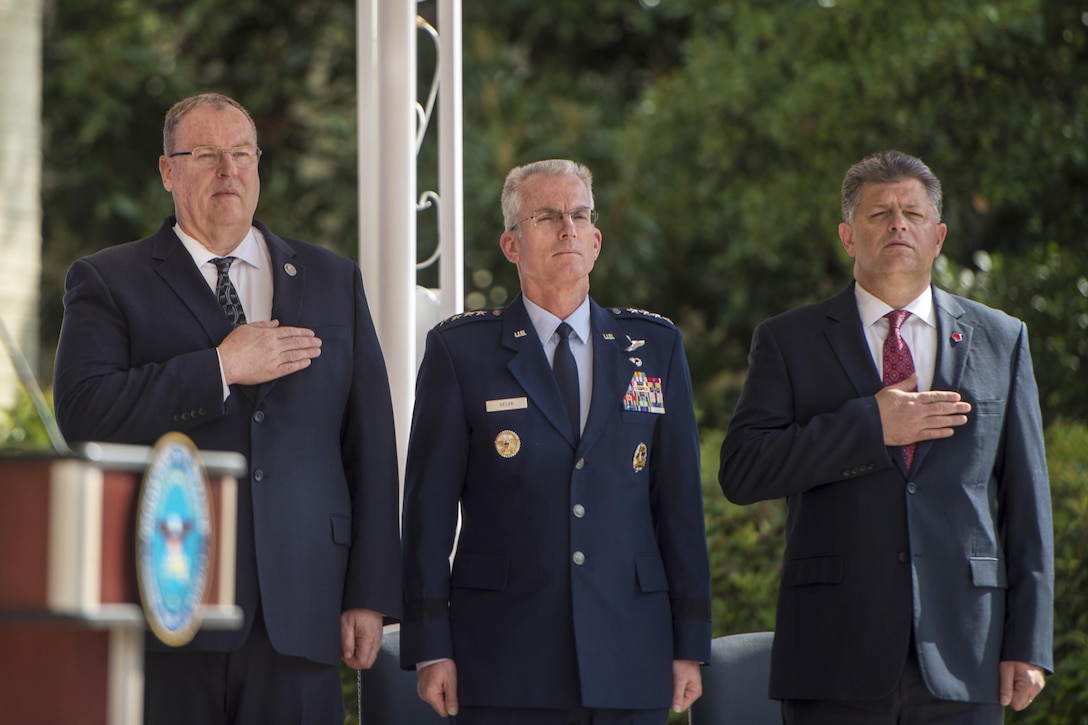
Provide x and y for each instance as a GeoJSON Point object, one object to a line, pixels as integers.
{"type": "Point", "coordinates": [917, 578]}
{"type": "Point", "coordinates": [580, 588]}
{"type": "Point", "coordinates": [286, 371]}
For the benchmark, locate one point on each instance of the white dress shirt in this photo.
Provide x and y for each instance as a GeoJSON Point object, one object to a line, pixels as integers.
{"type": "Point", "coordinates": [581, 345]}
{"type": "Point", "coordinates": [919, 332]}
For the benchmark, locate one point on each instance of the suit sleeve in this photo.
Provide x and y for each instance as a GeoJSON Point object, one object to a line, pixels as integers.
{"type": "Point", "coordinates": [1025, 521]}
{"type": "Point", "coordinates": [101, 394]}
{"type": "Point", "coordinates": [771, 452]}
{"type": "Point", "coordinates": [369, 449]}
{"type": "Point", "coordinates": [676, 491]}
{"type": "Point", "coordinates": [434, 479]}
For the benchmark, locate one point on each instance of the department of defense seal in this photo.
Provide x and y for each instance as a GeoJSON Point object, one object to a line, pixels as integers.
{"type": "Point", "coordinates": [173, 539]}
{"type": "Point", "coordinates": [507, 443]}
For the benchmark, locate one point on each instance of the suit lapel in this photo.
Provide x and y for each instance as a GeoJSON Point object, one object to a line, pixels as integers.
{"type": "Point", "coordinates": [177, 270]}
{"type": "Point", "coordinates": [288, 289]}
{"type": "Point", "coordinates": [847, 341]}
{"type": "Point", "coordinates": [611, 373]}
{"type": "Point", "coordinates": [953, 345]}
{"type": "Point", "coordinates": [530, 368]}
{"type": "Point", "coordinates": [288, 279]}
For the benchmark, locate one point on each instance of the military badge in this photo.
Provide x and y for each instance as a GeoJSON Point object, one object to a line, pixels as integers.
{"type": "Point", "coordinates": [507, 443]}
{"type": "Point", "coordinates": [639, 461]}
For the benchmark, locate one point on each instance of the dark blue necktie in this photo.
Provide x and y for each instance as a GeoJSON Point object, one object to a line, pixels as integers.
{"type": "Point", "coordinates": [566, 374]}
{"type": "Point", "coordinates": [227, 294]}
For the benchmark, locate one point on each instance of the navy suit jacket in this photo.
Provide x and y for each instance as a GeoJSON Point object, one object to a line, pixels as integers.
{"type": "Point", "coordinates": [317, 514]}
{"type": "Point", "coordinates": [958, 550]}
{"type": "Point", "coordinates": [581, 569]}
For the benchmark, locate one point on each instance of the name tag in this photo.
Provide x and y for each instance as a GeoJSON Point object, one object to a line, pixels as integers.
{"type": "Point", "coordinates": [497, 406]}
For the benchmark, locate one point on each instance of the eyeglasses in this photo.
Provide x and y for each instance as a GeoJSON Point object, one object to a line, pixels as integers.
{"type": "Point", "coordinates": [554, 220]}
{"type": "Point", "coordinates": [210, 157]}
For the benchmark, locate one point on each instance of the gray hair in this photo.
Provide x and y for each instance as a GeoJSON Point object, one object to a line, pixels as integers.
{"type": "Point", "coordinates": [511, 190]}
{"type": "Point", "coordinates": [887, 167]}
{"type": "Point", "coordinates": [173, 117]}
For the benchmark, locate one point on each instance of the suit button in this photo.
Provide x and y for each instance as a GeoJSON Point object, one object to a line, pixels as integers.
{"type": "Point", "coordinates": [579, 510]}
{"type": "Point", "coordinates": [258, 475]}
{"type": "Point", "coordinates": [912, 487]}
{"type": "Point", "coordinates": [579, 558]}
{"type": "Point", "coordinates": [580, 464]}
{"type": "Point", "coordinates": [904, 556]}
{"type": "Point", "coordinates": [258, 417]}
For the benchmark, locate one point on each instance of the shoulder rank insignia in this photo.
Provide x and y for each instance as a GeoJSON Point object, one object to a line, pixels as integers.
{"type": "Point", "coordinates": [641, 314]}
{"type": "Point", "coordinates": [472, 315]}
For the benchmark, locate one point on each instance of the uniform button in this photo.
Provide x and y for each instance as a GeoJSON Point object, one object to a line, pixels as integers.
{"type": "Point", "coordinates": [185, 416]}
{"type": "Point", "coordinates": [579, 510]}
{"type": "Point", "coordinates": [579, 558]}
{"type": "Point", "coordinates": [904, 556]}
{"type": "Point", "coordinates": [580, 464]}
{"type": "Point", "coordinates": [259, 416]}
{"type": "Point", "coordinates": [258, 475]}
{"type": "Point", "coordinates": [912, 487]}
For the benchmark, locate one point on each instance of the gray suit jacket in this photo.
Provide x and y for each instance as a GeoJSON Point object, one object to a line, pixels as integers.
{"type": "Point", "coordinates": [959, 550]}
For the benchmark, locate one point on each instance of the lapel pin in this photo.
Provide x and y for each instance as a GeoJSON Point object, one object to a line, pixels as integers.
{"type": "Point", "coordinates": [635, 344]}
{"type": "Point", "coordinates": [636, 360]}
{"type": "Point", "coordinates": [609, 336]}
{"type": "Point", "coordinates": [290, 269]}
{"type": "Point", "coordinates": [956, 337]}
{"type": "Point", "coordinates": [519, 333]}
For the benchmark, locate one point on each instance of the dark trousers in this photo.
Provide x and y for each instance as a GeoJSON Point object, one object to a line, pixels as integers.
{"type": "Point", "coordinates": [910, 703]}
{"type": "Point", "coordinates": [578, 716]}
{"type": "Point", "coordinates": [254, 685]}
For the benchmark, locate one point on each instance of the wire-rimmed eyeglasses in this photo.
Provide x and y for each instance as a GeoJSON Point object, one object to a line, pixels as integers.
{"type": "Point", "coordinates": [554, 219]}
{"type": "Point", "coordinates": [209, 157]}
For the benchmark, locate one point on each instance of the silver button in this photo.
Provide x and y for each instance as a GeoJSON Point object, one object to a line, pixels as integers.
{"type": "Point", "coordinates": [258, 475]}
{"type": "Point", "coordinates": [579, 510]}
{"type": "Point", "coordinates": [259, 416]}
{"type": "Point", "coordinates": [912, 487]}
{"type": "Point", "coordinates": [580, 464]}
{"type": "Point", "coordinates": [579, 558]}
{"type": "Point", "coordinates": [904, 556]}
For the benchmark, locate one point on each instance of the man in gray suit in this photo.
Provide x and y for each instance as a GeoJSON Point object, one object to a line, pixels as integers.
{"type": "Point", "coordinates": [902, 425]}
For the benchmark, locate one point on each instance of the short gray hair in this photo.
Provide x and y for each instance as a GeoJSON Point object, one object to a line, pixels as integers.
{"type": "Point", "coordinates": [511, 190]}
{"type": "Point", "coordinates": [887, 167]}
{"type": "Point", "coordinates": [173, 117]}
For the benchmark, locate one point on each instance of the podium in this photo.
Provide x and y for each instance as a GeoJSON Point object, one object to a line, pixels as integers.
{"type": "Point", "coordinates": [71, 624]}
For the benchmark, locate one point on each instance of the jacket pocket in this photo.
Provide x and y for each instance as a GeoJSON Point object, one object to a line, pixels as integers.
{"type": "Point", "coordinates": [650, 572]}
{"type": "Point", "coordinates": [472, 570]}
{"type": "Point", "coordinates": [813, 570]}
{"type": "Point", "coordinates": [988, 571]}
{"type": "Point", "coordinates": [341, 529]}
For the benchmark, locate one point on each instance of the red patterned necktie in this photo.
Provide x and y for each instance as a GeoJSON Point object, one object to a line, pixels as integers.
{"type": "Point", "coordinates": [898, 363]}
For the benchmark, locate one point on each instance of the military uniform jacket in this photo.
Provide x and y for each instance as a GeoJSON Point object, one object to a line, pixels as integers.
{"type": "Point", "coordinates": [581, 570]}
{"type": "Point", "coordinates": [958, 550]}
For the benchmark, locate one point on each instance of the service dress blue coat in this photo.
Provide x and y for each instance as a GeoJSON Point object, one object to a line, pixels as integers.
{"type": "Point", "coordinates": [581, 568]}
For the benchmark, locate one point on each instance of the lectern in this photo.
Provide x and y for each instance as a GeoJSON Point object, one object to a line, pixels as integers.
{"type": "Point", "coordinates": [71, 623]}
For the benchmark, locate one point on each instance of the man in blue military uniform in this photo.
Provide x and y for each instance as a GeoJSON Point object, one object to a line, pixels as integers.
{"type": "Point", "coordinates": [580, 590]}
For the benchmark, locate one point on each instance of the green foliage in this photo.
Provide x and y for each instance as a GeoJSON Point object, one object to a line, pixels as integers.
{"type": "Point", "coordinates": [1047, 287]}
{"type": "Point", "coordinates": [735, 159]}
{"type": "Point", "coordinates": [745, 545]}
{"type": "Point", "coordinates": [1065, 699]}
{"type": "Point", "coordinates": [21, 428]}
